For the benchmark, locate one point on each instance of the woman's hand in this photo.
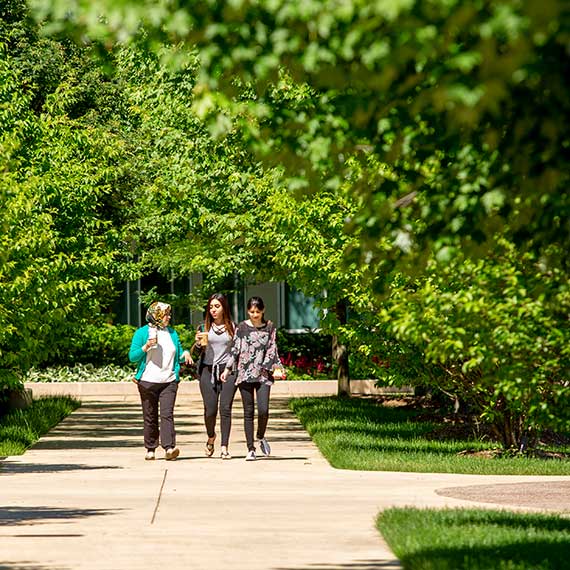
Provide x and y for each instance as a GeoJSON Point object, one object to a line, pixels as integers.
{"type": "Point", "coordinates": [187, 357]}
{"type": "Point", "coordinates": [279, 373]}
{"type": "Point", "coordinates": [224, 375]}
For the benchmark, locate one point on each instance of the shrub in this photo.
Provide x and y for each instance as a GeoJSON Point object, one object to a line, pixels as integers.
{"type": "Point", "coordinates": [493, 334]}
{"type": "Point", "coordinates": [102, 345]}
{"type": "Point", "coordinates": [306, 355]}
{"type": "Point", "coordinates": [97, 344]}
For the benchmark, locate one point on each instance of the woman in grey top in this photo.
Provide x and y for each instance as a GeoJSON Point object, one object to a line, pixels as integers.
{"type": "Point", "coordinates": [216, 390]}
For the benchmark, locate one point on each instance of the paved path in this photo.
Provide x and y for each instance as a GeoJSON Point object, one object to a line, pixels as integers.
{"type": "Point", "coordinates": [84, 498]}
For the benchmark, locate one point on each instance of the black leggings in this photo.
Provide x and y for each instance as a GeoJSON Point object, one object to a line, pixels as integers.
{"type": "Point", "coordinates": [212, 394]}
{"type": "Point", "coordinates": [247, 390]}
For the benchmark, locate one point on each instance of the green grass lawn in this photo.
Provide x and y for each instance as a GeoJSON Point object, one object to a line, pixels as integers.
{"type": "Point", "coordinates": [361, 434]}
{"type": "Point", "coordinates": [20, 429]}
{"type": "Point", "coordinates": [469, 539]}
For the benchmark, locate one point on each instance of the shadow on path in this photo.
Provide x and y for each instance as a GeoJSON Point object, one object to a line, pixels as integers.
{"type": "Point", "coordinates": [31, 566]}
{"type": "Point", "coordinates": [356, 565]}
{"type": "Point", "coordinates": [108, 425]}
{"type": "Point", "coordinates": [8, 467]}
{"type": "Point", "coordinates": [37, 515]}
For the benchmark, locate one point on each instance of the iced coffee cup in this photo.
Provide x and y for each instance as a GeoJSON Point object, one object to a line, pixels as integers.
{"type": "Point", "coordinates": [203, 339]}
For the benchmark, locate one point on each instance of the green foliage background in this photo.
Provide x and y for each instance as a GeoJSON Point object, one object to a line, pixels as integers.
{"type": "Point", "coordinates": [407, 160]}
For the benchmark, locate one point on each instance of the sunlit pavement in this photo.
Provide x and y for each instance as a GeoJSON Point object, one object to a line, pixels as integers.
{"type": "Point", "coordinates": [84, 497]}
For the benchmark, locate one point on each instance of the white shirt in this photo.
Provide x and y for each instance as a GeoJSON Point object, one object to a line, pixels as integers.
{"type": "Point", "coordinates": [160, 360]}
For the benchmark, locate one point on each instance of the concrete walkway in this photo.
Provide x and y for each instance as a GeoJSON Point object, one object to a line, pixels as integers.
{"type": "Point", "coordinates": [84, 498]}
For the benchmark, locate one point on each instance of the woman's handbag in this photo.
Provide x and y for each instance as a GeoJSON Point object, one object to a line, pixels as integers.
{"type": "Point", "coordinates": [279, 372]}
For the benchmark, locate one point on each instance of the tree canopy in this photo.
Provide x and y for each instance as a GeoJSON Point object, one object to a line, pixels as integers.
{"type": "Point", "coordinates": [58, 186]}
{"type": "Point", "coordinates": [405, 162]}
{"type": "Point", "coordinates": [466, 102]}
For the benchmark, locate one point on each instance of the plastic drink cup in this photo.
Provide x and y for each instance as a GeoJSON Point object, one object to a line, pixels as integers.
{"type": "Point", "coordinates": [203, 338]}
{"type": "Point", "coordinates": [152, 332]}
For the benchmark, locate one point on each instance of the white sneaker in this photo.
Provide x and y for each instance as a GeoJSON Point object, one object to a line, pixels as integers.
{"type": "Point", "coordinates": [172, 453]}
{"type": "Point", "coordinates": [250, 456]}
{"type": "Point", "coordinates": [149, 455]}
{"type": "Point", "coordinates": [265, 447]}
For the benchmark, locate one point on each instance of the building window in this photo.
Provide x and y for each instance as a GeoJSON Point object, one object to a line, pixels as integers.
{"type": "Point", "coordinates": [300, 311]}
{"type": "Point", "coordinates": [284, 305]}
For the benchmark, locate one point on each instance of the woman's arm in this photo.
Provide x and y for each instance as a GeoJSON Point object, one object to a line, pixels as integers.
{"type": "Point", "coordinates": [138, 344]}
{"type": "Point", "coordinates": [271, 357]}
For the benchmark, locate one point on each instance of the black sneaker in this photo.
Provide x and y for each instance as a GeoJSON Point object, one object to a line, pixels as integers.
{"type": "Point", "coordinates": [265, 447]}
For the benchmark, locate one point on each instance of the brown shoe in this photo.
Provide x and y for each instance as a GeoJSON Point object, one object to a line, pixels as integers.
{"type": "Point", "coordinates": [172, 454]}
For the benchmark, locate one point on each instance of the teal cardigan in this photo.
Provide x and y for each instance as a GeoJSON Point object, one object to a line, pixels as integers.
{"type": "Point", "coordinates": [138, 355]}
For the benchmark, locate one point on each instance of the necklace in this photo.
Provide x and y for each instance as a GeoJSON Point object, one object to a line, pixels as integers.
{"type": "Point", "coordinates": [218, 329]}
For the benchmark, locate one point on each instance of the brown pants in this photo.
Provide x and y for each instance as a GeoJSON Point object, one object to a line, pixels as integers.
{"type": "Point", "coordinates": [153, 397]}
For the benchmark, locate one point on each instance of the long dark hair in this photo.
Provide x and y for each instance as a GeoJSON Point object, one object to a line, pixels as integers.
{"type": "Point", "coordinates": [226, 314]}
{"type": "Point", "coordinates": [259, 304]}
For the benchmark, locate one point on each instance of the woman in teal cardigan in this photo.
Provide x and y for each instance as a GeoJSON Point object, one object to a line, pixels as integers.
{"type": "Point", "coordinates": [157, 350]}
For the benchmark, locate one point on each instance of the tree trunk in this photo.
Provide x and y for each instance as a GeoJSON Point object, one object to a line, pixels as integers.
{"type": "Point", "coordinates": [508, 428]}
{"type": "Point", "coordinates": [340, 353]}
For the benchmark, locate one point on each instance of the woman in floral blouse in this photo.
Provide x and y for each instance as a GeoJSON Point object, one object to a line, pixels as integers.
{"type": "Point", "coordinates": [255, 361]}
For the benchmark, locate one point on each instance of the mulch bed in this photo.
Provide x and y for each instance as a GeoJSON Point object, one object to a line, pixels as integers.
{"type": "Point", "coordinates": [551, 495]}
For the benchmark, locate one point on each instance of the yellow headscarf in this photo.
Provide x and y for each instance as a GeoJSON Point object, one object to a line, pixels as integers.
{"type": "Point", "coordinates": [157, 313]}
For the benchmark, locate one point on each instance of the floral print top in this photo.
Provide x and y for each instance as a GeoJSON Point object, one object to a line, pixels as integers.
{"type": "Point", "coordinates": [253, 354]}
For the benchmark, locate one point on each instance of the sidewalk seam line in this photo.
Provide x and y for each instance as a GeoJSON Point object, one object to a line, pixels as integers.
{"type": "Point", "coordinates": [158, 498]}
